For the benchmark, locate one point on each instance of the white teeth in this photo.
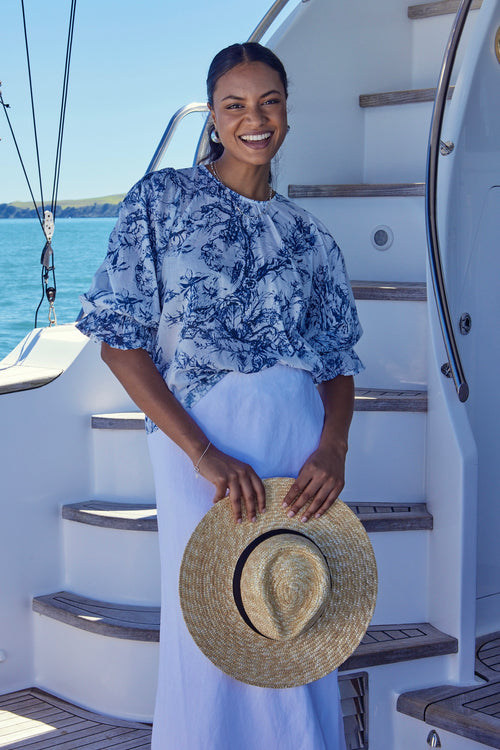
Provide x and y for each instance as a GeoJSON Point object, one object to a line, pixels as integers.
{"type": "Point", "coordinates": [260, 137]}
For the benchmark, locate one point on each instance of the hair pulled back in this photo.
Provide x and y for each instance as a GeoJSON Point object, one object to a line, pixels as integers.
{"type": "Point", "coordinates": [226, 60]}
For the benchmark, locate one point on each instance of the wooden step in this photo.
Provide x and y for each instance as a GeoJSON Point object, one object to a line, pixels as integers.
{"type": "Point", "coordinates": [133, 420]}
{"type": "Point", "coordinates": [109, 515]}
{"type": "Point", "coordinates": [471, 712]}
{"type": "Point", "coordinates": [35, 720]}
{"type": "Point", "coordinates": [392, 98]}
{"type": "Point", "coordinates": [393, 517]}
{"type": "Point", "coordinates": [130, 621]}
{"type": "Point", "coordinates": [377, 399]}
{"type": "Point", "coordinates": [142, 517]}
{"type": "Point", "coordinates": [382, 644]}
{"type": "Point", "coordinates": [367, 399]}
{"type": "Point", "coordinates": [427, 10]}
{"type": "Point", "coordinates": [386, 190]}
{"type": "Point", "coordinates": [388, 644]}
{"type": "Point", "coordinates": [396, 291]}
{"type": "Point", "coordinates": [488, 657]}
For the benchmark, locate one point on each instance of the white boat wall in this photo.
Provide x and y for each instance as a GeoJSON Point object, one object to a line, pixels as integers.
{"type": "Point", "coordinates": [79, 549]}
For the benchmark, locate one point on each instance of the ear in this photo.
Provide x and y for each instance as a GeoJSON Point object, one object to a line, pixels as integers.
{"type": "Point", "coordinates": [212, 114]}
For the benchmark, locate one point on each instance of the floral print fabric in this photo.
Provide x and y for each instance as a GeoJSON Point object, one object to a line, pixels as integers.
{"type": "Point", "coordinates": [210, 282]}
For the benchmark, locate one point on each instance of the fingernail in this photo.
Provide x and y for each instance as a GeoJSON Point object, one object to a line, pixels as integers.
{"type": "Point", "coordinates": [254, 518]}
{"type": "Point", "coordinates": [238, 520]}
{"type": "Point", "coordinates": [290, 514]}
{"type": "Point", "coordinates": [304, 519]}
{"type": "Point", "coordinates": [318, 515]}
{"type": "Point", "coordinates": [263, 510]}
{"type": "Point", "coordinates": [284, 505]}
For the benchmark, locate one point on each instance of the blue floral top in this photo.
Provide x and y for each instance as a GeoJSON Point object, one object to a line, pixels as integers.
{"type": "Point", "coordinates": [210, 282]}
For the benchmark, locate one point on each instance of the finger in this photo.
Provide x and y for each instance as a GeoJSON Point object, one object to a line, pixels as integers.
{"type": "Point", "coordinates": [260, 492]}
{"type": "Point", "coordinates": [235, 498]}
{"type": "Point", "coordinates": [292, 494]}
{"type": "Point", "coordinates": [331, 499]}
{"type": "Point", "coordinates": [304, 499]}
{"type": "Point", "coordinates": [249, 497]}
{"type": "Point", "coordinates": [323, 500]}
{"type": "Point", "coordinates": [220, 491]}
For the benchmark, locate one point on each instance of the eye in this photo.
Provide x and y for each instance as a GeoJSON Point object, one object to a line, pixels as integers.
{"type": "Point", "coordinates": [272, 101]}
{"type": "Point", "coordinates": [234, 106]}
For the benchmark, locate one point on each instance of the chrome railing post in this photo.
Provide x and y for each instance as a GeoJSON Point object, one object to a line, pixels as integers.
{"type": "Point", "coordinates": [436, 267]}
{"type": "Point", "coordinates": [170, 130]}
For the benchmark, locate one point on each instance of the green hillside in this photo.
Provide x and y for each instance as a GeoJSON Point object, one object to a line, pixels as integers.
{"type": "Point", "coordinates": [105, 206]}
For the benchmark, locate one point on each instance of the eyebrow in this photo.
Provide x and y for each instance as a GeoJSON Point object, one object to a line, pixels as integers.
{"type": "Point", "coordinates": [241, 98]}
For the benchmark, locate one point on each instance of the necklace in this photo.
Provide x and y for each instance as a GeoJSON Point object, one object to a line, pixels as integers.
{"type": "Point", "coordinates": [215, 173]}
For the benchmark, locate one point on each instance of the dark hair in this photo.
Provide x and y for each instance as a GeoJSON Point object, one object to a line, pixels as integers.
{"type": "Point", "coordinates": [226, 60]}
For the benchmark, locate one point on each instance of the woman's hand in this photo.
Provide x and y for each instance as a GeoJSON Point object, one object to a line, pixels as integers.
{"type": "Point", "coordinates": [321, 479]}
{"type": "Point", "coordinates": [236, 479]}
{"type": "Point", "coordinates": [318, 485]}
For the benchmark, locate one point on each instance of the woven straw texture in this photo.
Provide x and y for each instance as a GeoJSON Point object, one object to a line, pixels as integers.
{"type": "Point", "coordinates": [212, 616]}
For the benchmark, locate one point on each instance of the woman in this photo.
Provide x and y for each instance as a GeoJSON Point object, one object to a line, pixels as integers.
{"type": "Point", "coordinates": [220, 305]}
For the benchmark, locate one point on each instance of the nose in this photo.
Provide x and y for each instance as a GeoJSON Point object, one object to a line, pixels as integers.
{"type": "Point", "coordinates": [255, 114]}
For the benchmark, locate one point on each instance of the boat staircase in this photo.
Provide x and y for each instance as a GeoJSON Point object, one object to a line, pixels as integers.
{"type": "Point", "coordinates": [96, 631]}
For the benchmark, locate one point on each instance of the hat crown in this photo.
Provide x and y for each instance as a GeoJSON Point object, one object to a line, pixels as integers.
{"type": "Point", "coordinates": [285, 585]}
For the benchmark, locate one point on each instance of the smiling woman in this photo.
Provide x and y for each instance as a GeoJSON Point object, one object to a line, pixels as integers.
{"type": "Point", "coordinates": [221, 306]}
{"type": "Point", "coordinates": [247, 93]}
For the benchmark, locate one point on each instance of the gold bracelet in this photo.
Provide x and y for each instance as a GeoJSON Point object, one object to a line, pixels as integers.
{"type": "Point", "coordinates": [196, 466]}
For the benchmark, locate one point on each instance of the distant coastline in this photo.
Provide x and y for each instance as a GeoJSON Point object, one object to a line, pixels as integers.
{"type": "Point", "coordinates": [91, 208]}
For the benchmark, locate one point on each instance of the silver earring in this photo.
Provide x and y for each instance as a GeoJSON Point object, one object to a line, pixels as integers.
{"type": "Point", "coordinates": [214, 136]}
{"type": "Point", "coordinates": [288, 128]}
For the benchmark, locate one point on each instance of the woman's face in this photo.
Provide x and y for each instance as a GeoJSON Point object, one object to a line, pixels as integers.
{"type": "Point", "coordinates": [249, 112]}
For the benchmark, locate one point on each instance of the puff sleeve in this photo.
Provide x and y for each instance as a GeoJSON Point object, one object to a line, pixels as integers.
{"type": "Point", "coordinates": [332, 327]}
{"type": "Point", "coordinates": [122, 307]}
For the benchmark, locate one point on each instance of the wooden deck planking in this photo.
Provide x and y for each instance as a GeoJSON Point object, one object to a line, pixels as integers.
{"type": "Point", "coordinates": [34, 720]}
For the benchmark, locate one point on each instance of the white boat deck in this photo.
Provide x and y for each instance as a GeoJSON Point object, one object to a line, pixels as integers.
{"type": "Point", "coordinates": [35, 720]}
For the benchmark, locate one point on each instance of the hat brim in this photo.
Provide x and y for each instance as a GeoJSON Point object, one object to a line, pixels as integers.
{"type": "Point", "coordinates": [213, 619]}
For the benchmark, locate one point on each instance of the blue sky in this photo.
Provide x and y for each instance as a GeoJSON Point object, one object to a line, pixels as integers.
{"type": "Point", "coordinates": [135, 62]}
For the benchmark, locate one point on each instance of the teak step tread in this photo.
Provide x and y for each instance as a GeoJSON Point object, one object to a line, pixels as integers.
{"type": "Point", "coordinates": [488, 657]}
{"type": "Point", "coordinates": [393, 517]}
{"type": "Point", "coordinates": [367, 399]}
{"type": "Point", "coordinates": [427, 10]}
{"type": "Point", "coordinates": [388, 644]}
{"type": "Point", "coordinates": [35, 720]}
{"type": "Point", "coordinates": [382, 644]}
{"type": "Point", "coordinates": [472, 712]}
{"type": "Point", "coordinates": [141, 517]}
{"type": "Point", "coordinates": [396, 291]}
{"type": "Point", "coordinates": [110, 515]}
{"type": "Point", "coordinates": [384, 190]}
{"type": "Point", "coordinates": [392, 98]}
{"type": "Point", "coordinates": [130, 621]}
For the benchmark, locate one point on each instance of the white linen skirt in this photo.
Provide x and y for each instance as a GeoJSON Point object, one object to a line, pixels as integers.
{"type": "Point", "coordinates": [272, 420]}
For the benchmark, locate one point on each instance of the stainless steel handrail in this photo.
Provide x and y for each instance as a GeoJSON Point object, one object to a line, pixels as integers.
{"type": "Point", "coordinates": [267, 21]}
{"type": "Point", "coordinates": [188, 109]}
{"type": "Point", "coordinates": [455, 363]}
{"type": "Point", "coordinates": [170, 130]}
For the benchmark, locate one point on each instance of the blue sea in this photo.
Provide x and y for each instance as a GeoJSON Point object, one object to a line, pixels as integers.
{"type": "Point", "coordinates": [79, 247]}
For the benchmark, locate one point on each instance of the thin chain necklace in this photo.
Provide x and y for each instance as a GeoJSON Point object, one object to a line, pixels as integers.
{"type": "Point", "coordinates": [215, 173]}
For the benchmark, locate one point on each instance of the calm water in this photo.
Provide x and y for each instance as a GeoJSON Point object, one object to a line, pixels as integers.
{"type": "Point", "coordinates": [79, 246]}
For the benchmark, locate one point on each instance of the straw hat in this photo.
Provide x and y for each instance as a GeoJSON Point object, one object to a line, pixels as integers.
{"type": "Point", "coordinates": [278, 603]}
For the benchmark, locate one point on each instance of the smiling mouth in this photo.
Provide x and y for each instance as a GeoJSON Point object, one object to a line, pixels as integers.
{"type": "Point", "coordinates": [256, 137]}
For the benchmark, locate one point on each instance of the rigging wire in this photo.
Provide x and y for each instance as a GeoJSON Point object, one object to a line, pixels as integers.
{"type": "Point", "coordinates": [47, 223]}
{"type": "Point", "coordinates": [32, 105]}
{"type": "Point", "coordinates": [64, 99]}
{"type": "Point", "coordinates": [5, 107]}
